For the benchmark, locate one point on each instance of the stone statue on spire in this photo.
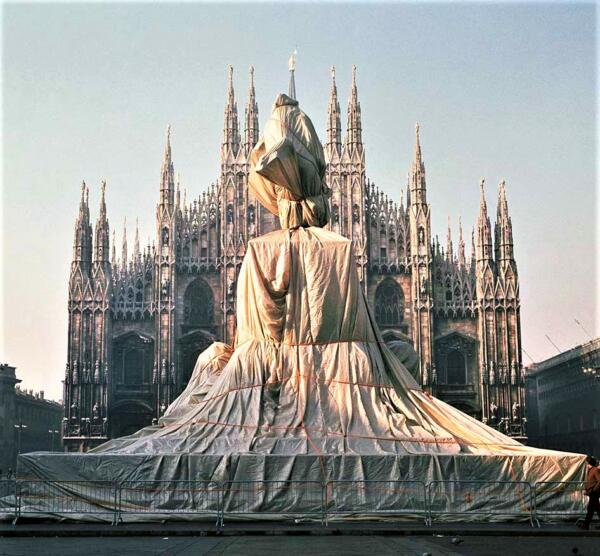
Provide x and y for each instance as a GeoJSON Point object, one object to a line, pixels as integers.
{"type": "Point", "coordinates": [292, 68]}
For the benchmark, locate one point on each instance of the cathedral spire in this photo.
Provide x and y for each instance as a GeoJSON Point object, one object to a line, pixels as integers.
{"type": "Point", "coordinates": [231, 129]}
{"type": "Point", "coordinates": [82, 243]}
{"type": "Point", "coordinates": [251, 128]}
{"type": "Point", "coordinates": [418, 157]}
{"type": "Point", "coordinates": [418, 187]}
{"type": "Point", "coordinates": [449, 246]}
{"type": "Point", "coordinates": [102, 214]}
{"type": "Point", "coordinates": [484, 232]}
{"type": "Point", "coordinates": [503, 228]}
{"type": "Point", "coordinates": [102, 234]}
{"type": "Point", "coordinates": [124, 247]}
{"type": "Point", "coordinates": [167, 181]}
{"type": "Point", "coordinates": [354, 131]}
{"type": "Point", "coordinates": [334, 124]}
{"type": "Point", "coordinates": [462, 259]}
{"type": "Point", "coordinates": [473, 250]}
{"type": "Point", "coordinates": [82, 203]}
{"type": "Point", "coordinates": [136, 244]}
{"type": "Point", "coordinates": [292, 68]}
{"type": "Point", "coordinates": [113, 255]}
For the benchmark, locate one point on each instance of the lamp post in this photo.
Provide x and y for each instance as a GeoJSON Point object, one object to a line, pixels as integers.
{"type": "Point", "coordinates": [19, 428]}
{"type": "Point", "coordinates": [53, 433]}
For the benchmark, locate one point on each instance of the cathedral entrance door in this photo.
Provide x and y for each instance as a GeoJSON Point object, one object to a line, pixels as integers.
{"type": "Point", "coordinates": [129, 416]}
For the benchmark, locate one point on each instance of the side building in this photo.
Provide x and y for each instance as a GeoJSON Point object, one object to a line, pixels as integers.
{"type": "Point", "coordinates": [138, 321]}
{"type": "Point", "coordinates": [563, 395]}
{"type": "Point", "coordinates": [28, 421]}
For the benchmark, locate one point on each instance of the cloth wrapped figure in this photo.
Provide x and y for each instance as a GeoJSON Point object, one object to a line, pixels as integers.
{"type": "Point", "coordinates": [288, 166]}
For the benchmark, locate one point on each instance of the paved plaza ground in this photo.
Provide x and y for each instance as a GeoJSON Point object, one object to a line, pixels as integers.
{"type": "Point", "coordinates": [268, 539]}
{"type": "Point", "coordinates": [347, 545]}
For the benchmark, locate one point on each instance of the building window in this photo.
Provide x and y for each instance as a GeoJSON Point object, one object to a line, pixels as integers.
{"type": "Point", "coordinates": [198, 304]}
{"type": "Point", "coordinates": [456, 368]}
{"type": "Point", "coordinates": [382, 253]}
{"type": "Point", "coordinates": [389, 304]}
{"type": "Point", "coordinates": [133, 359]}
{"type": "Point", "coordinates": [203, 245]}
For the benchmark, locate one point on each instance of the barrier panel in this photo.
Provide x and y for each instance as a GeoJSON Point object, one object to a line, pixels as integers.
{"type": "Point", "coordinates": [465, 500]}
{"type": "Point", "coordinates": [285, 498]}
{"type": "Point", "coordinates": [169, 497]}
{"type": "Point", "coordinates": [563, 500]}
{"type": "Point", "coordinates": [376, 498]}
{"type": "Point", "coordinates": [480, 500]}
{"type": "Point", "coordinates": [67, 497]}
{"type": "Point", "coordinates": [8, 496]}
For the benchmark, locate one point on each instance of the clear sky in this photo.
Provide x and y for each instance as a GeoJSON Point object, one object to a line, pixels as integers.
{"type": "Point", "coordinates": [501, 91]}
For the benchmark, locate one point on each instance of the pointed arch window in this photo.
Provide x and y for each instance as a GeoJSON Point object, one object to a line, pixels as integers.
{"type": "Point", "coordinates": [389, 304]}
{"type": "Point", "coordinates": [195, 249]}
{"type": "Point", "coordinates": [198, 304]}
{"type": "Point", "coordinates": [392, 245]}
{"type": "Point", "coordinates": [203, 244]}
{"type": "Point", "coordinates": [133, 359]}
{"type": "Point", "coordinates": [448, 289]}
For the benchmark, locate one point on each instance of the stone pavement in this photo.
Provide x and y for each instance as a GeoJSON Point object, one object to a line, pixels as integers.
{"type": "Point", "coordinates": [305, 545]}
{"type": "Point", "coordinates": [28, 528]}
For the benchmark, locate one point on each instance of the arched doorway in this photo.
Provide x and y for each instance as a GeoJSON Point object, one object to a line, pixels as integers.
{"type": "Point", "coordinates": [389, 304]}
{"type": "Point", "coordinates": [129, 416]}
{"type": "Point", "coordinates": [197, 328]}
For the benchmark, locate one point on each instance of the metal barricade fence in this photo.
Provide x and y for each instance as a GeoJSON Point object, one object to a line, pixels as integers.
{"type": "Point", "coordinates": [481, 499]}
{"type": "Point", "coordinates": [564, 500]}
{"type": "Point", "coordinates": [376, 498]}
{"type": "Point", "coordinates": [8, 496]}
{"type": "Point", "coordinates": [476, 500]}
{"type": "Point", "coordinates": [286, 498]}
{"type": "Point", "coordinates": [67, 497]}
{"type": "Point", "coordinates": [176, 497]}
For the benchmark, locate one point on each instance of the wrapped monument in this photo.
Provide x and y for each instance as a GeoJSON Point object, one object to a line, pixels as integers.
{"type": "Point", "coordinates": [309, 391]}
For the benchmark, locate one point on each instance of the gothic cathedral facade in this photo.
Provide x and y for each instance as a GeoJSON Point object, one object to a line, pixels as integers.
{"type": "Point", "coordinates": [138, 322]}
